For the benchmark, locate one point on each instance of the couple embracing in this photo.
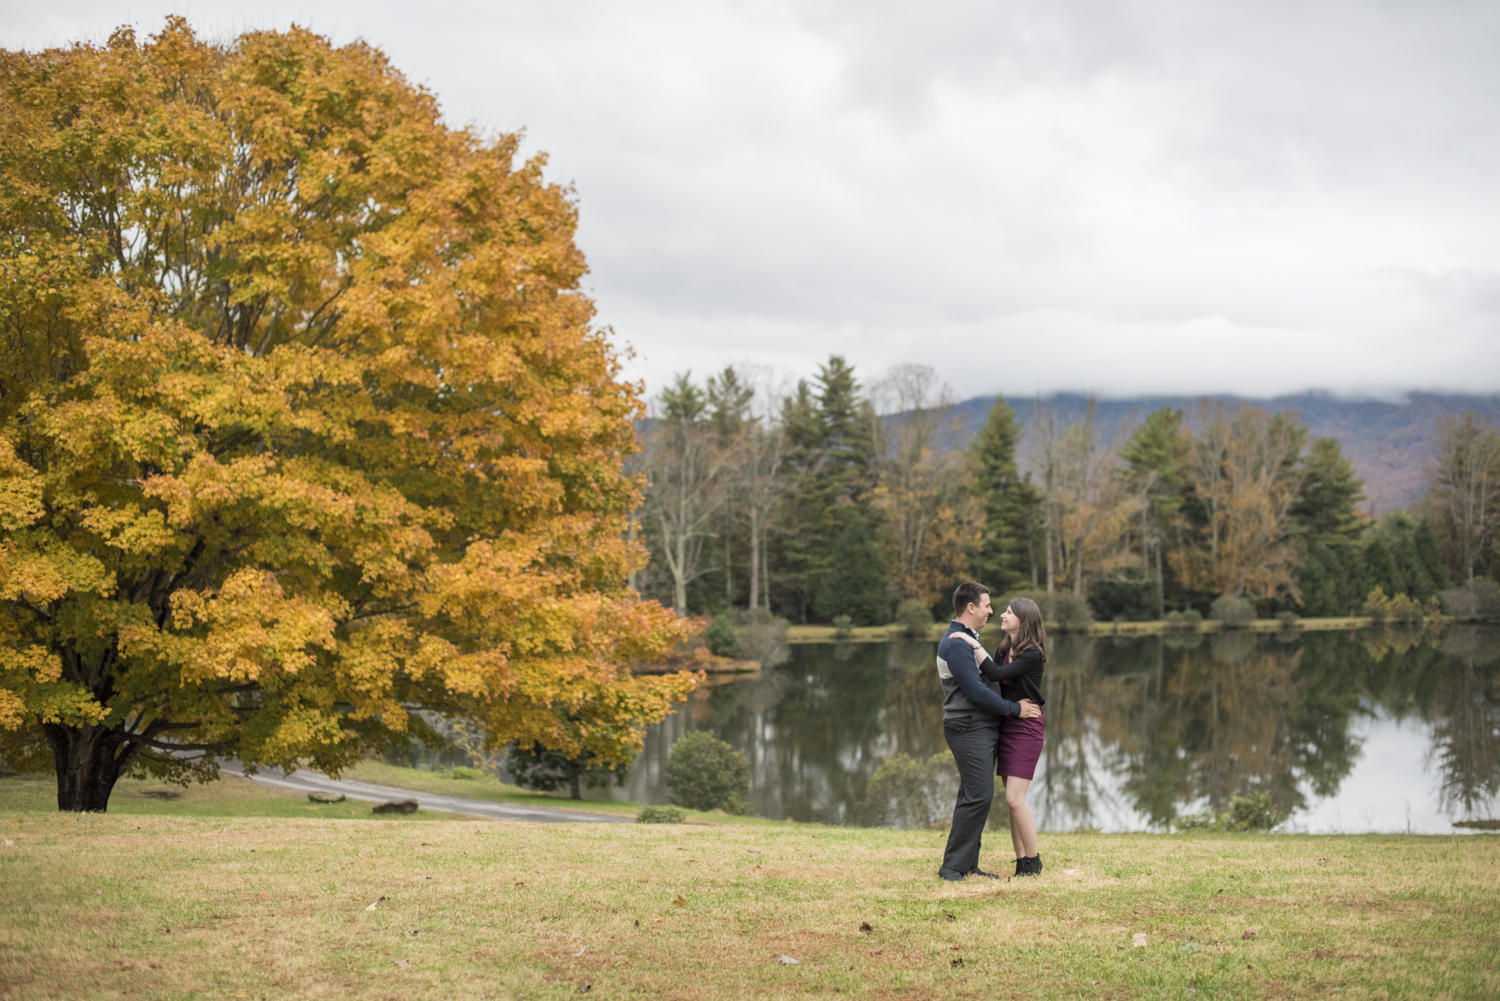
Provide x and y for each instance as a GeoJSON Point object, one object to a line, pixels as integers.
{"type": "Point", "coordinates": [992, 719]}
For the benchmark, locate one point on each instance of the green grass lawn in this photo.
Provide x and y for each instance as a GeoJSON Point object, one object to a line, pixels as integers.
{"type": "Point", "coordinates": [231, 796]}
{"type": "Point", "coordinates": [162, 907]}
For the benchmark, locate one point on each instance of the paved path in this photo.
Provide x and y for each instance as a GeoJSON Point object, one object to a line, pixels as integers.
{"type": "Point", "coordinates": [306, 781]}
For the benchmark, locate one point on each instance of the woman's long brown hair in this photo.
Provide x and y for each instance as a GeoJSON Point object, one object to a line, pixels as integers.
{"type": "Point", "coordinates": [1031, 634]}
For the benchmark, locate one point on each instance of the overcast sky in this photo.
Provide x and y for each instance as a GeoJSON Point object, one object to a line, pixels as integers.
{"type": "Point", "coordinates": [1253, 197]}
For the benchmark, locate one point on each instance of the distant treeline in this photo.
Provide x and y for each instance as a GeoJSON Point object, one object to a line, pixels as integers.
{"type": "Point", "coordinates": [807, 503]}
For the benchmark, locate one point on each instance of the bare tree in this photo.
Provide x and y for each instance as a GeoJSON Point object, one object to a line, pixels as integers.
{"type": "Point", "coordinates": [1464, 483]}
{"type": "Point", "coordinates": [684, 461]}
{"type": "Point", "coordinates": [932, 522]}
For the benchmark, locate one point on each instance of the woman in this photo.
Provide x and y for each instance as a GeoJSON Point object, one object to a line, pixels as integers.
{"type": "Point", "coordinates": [1022, 654]}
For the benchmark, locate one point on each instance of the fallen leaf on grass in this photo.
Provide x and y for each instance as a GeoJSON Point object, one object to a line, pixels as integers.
{"type": "Point", "coordinates": [1138, 940]}
{"type": "Point", "coordinates": [415, 932]}
{"type": "Point", "coordinates": [403, 962]}
{"type": "Point", "coordinates": [520, 884]}
{"type": "Point", "coordinates": [864, 926]}
{"type": "Point", "coordinates": [9, 843]}
{"type": "Point", "coordinates": [950, 916]}
{"type": "Point", "coordinates": [585, 988]}
{"type": "Point", "coordinates": [957, 964]}
{"type": "Point", "coordinates": [1248, 936]}
{"type": "Point", "coordinates": [680, 900]}
{"type": "Point", "coordinates": [1094, 982]}
{"type": "Point", "coordinates": [786, 961]}
{"type": "Point", "coordinates": [580, 952]}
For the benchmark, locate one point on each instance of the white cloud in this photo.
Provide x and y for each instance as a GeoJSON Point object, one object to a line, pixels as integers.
{"type": "Point", "coordinates": [1252, 197]}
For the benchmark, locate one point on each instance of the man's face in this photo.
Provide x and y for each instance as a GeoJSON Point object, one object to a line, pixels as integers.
{"type": "Point", "coordinates": [983, 610]}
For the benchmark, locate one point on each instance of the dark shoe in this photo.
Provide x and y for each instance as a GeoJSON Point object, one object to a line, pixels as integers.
{"type": "Point", "coordinates": [1022, 869]}
{"type": "Point", "coordinates": [976, 871]}
{"type": "Point", "coordinates": [951, 875]}
{"type": "Point", "coordinates": [1029, 866]}
{"type": "Point", "coordinates": [1036, 864]}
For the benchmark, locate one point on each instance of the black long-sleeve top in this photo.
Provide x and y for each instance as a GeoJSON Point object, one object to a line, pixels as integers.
{"type": "Point", "coordinates": [1021, 678]}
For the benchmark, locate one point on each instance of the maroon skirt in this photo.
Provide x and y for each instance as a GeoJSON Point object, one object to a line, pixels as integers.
{"type": "Point", "coordinates": [1020, 747]}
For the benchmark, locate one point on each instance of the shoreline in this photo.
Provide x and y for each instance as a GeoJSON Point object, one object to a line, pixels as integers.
{"type": "Point", "coordinates": [888, 633]}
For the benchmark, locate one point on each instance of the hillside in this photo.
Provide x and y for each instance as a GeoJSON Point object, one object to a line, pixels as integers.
{"type": "Point", "coordinates": [1389, 443]}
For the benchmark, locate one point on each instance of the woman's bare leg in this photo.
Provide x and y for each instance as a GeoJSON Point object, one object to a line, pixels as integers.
{"type": "Point", "coordinates": [1015, 837]}
{"type": "Point", "coordinates": [1022, 823]}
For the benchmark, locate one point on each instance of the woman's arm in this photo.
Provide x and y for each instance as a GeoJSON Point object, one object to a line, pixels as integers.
{"type": "Point", "coordinates": [993, 671]}
{"type": "Point", "coordinates": [1023, 663]}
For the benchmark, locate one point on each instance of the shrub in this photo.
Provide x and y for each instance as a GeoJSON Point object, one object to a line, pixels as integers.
{"type": "Point", "coordinates": [660, 815]}
{"type": "Point", "coordinates": [1405, 609]}
{"type": "Point", "coordinates": [705, 773]}
{"type": "Point", "coordinates": [914, 618]}
{"type": "Point", "coordinates": [1232, 610]}
{"type": "Point", "coordinates": [1186, 622]}
{"type": "Point", "coordinates": [463, 772]}
{"type": "Point", "coordinates": [1487, 597]}
{"type": "Point", "coordinates": [843, 626]}
{"type": "Point", "coordinates": [1255, 812]}
{"type": "Point", "coordinates": [763, 637]}
{"type": "Point", "coordinates": [905, 792]}
{"type": "Point", "coordinates": [723, 639]}
{"type": "Point", "coordinates": [1287, 619]}
{"type": "Point", "coordinates": [549, 771]}
{"type": "Point", "coordinates": [1395, 608]}
{"type": "Point", "coordinates": [1460, 602]}
{"type": "Point", "coordinates": [1125, 600]}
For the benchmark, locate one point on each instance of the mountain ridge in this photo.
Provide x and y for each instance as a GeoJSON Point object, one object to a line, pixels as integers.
{"type": "Point", "coordinates": [1388, 442]}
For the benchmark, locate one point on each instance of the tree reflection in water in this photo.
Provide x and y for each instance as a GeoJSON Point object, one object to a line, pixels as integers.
{"type": "Point", "coordinates": [1139, 730]}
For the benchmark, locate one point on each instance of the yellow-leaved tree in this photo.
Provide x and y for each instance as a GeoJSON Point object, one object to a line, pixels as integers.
{"type": "Point", "coordinates": [303, 423]}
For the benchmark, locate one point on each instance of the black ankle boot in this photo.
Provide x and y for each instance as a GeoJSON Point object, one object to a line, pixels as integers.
{"type": "Point", "coordinates": [1022, 869]}
{"type": "Point", "coordinates": [1036, 864]}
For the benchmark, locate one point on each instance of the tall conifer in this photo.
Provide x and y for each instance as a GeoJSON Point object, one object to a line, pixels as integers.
{"type": "Point", "coordinates": [1009, 502]}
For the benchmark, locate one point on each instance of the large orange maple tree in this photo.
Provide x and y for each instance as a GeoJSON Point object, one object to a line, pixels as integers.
{"type": "Point", "coordinates": [304, 423]}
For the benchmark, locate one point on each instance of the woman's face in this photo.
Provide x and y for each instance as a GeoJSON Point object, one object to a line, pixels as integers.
{"type": "Point", "coordinates": [1008, 620]}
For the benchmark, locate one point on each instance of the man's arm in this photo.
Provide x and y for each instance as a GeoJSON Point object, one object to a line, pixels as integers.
{"type": "Point", "coordinates": [960, 659]}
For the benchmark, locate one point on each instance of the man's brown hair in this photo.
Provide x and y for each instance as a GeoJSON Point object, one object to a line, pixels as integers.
{"type": "Point", "coordinates": [968, 594]}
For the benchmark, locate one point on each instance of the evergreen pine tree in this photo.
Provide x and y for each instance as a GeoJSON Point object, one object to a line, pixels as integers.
{"type": "Point", "coordinates": [854, 582]}
{"type": "Point", "coordinates": [1326, 505]}
{"type": "Point", "coordinates": [1430, 554]}
{"type": "Point", "coordinates": [1318, 583]}
{"type": "Point", "coordinates": [1009, 501]}
{"type": "Point", "coordinates": [849, 446]}
{"type": "Point", "coordinates": [1380, 568]}
{"type": "Point", "coordinates": [1416, 581]}
{"type": "Point", "coordinates": [1347, 566]}
{"type": "Point", "coordinates": [802, 506]}
{"type": "Point", "coordinates": [1157, 459]}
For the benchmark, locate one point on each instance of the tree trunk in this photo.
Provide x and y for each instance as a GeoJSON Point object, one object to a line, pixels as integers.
{"type": "Point", "coordinates": [1161, 587]}
{"type": "Point", "coordinates": [679, 577]}
{"type": "Point", "coordinates": [573, 772]}
{"type": "Point", "coordinates": [754, 555]}
{"type": "Point", "coordinates": [89, 761]}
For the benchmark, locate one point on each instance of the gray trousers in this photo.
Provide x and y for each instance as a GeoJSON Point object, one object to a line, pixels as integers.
{"type": "Point", "coordinates": [973, 741]}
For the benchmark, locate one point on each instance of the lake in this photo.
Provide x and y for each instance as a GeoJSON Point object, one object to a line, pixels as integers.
{"type": "Point", "coordinates": [1373, 730]}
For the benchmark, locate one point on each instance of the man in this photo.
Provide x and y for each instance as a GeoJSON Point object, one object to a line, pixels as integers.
{"type": "Point", "coordinates": [971, 725]}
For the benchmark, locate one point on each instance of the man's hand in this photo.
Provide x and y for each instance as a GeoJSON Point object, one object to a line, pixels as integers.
{"type": "Point", "coordinates": [1029, 709]}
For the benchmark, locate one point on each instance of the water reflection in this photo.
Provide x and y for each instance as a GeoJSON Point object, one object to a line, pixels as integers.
{"type": "Point", "coordinates": [1142, 730]}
